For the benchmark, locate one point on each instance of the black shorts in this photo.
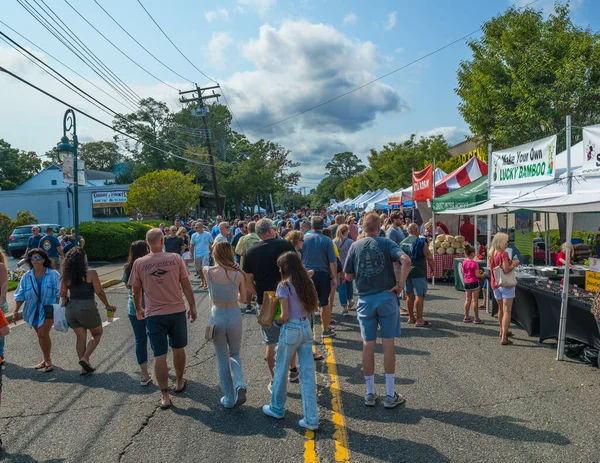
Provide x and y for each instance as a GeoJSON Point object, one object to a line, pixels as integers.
{"type": "Point", "coordinates": [167, 330]}
{"type": "Point", "coordinates": [49, 312]}
{"type": "Point", "coordinates": [472, 286]}
{"type": "Point", "coordinates": [322, 281]}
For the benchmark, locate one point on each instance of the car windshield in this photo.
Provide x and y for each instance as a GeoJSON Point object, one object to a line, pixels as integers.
{"type": "Point", "coordinates": [22, 230]}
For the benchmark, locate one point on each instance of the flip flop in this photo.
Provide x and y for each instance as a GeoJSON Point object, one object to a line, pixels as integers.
{"type": "Point", "coordinates": [317, 357]}
{"type": "Point", "coordinates": [39, 366]}
{"type": "Point", "coordinates": [425, 324]}
{"type": "Point", "coordinates": [48, 368]}
{"type": "Point", "coordinates": [165, 406]}
{"type": "Point", "coordinates": [413, 322]}
{"type": "Point", "coordinates": [183, 388]}
{"type": "Point", "coordinates": [508, 342]}
{"type": "Point", "coordinates": [404, 313]}
{"type": "Point", "coordinates": [86, 366]}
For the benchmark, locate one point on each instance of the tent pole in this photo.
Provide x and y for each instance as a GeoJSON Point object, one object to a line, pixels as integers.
{"type": "Point", "coordinates": [433, 221]}
{"type": "Point", "coordinates": [547, 248]}
{"type": "Point", "coordinates": [562, 327]}
{"type": "Point", "coordinates": [489, 226]}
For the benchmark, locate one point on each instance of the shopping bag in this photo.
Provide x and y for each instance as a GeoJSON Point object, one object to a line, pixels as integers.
{"type": "Point", "coordinates": [504, 280]}
{"type": "Point", "coordinates": [60, 320]}
{"type": "Point", "coordinates": [268, 309]}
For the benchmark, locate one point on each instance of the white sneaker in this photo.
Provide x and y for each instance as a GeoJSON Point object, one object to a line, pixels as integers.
{"type": "Point", "coordinates": [371, 400]}
{"type": "Point", "coordinates": [393, 402]}
{"type": "Point", "coordinates": [267, 411]}
{"type": "Point", "coordinates": [303, 424]}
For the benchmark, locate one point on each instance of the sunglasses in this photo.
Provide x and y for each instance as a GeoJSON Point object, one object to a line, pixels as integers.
{"type": "Point", "coordinates": [36, 257]}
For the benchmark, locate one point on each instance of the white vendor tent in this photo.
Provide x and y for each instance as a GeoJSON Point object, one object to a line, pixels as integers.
{"type": "Point", "coordinates": [379, 197]}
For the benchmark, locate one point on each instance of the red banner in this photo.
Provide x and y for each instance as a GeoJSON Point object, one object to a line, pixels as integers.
{"type": "Point", "coordinates": [423, 184]}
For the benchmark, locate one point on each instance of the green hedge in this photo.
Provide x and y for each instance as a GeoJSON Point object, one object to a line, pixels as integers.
{"type": "Point", "coordinates": [555, 242]}
{"type": "Point", "coordinates": [111, 240]}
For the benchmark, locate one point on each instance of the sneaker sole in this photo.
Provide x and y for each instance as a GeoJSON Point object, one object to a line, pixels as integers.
{"type": "Point", "coordinates": [394, 405]}
{"type": "Point", "coordinates": [369, 404]}
{"type": "Point", "coordinates": [241, 396]}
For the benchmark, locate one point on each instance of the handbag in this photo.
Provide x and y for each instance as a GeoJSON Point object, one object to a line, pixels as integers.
{"type": "Point", "coordinates": [209, 332]}
{"type": "Point", "coordinates": [504, 280]}
{"type": "Point", "coordinates": [268, 309]}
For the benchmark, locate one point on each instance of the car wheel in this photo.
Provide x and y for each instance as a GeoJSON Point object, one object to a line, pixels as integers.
{"type": "Point", "coordinates": [15, 255]}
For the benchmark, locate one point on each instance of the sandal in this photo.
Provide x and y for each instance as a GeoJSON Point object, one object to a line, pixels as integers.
{"type": "Point", "coordinates": [48, 369]}
{"type": "Point", "coordinates": [165, 406]}
{"type": "Point", "coordinates": [317, 357]}
{"type": "Point", "coordinates": [40, 365]}
{"type": "Point", "coordinates": [508, 342]}
{"type": "Point", "coordinates": [86, 366]}
{"type": "Point", "coordinates": [404, 313]}
{"type": "Point", "coordinates": [183, 388]}
{"type": "Point", "coordinates": [425, 324]}
{"type": "Point", "coordinates": [411, 322]}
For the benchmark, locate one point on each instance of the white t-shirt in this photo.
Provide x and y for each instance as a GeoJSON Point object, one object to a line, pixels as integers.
{"type": "Point", "coordinates": [201, 242]}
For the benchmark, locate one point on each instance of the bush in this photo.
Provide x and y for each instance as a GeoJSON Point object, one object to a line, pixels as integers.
{"type": "Point", "coordinates": [25, 218]}
{"type": "Point", "coordinates": [6, 227]}
{"type": "Point", "coordinates": [555, 242]}
{"type": "Point", "coordinates": [111, 240]}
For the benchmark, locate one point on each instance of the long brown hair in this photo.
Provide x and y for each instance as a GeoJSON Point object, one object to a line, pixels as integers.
{"type": "Point", "coordinates": [224, 257]}
{"type": "Point", "coordinates": [137, 249]}
{"type": "Point", "coordinates": [291, 269]}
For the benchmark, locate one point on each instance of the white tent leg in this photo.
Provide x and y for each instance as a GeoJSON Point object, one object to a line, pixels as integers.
{"type": "Point", "coordinates": [562, 327]}
{"type": "Point", "coordinates": [489, 242]}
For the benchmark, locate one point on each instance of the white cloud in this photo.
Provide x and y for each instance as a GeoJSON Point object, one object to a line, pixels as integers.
{"type": "Point", "coordinates": [217, 46]}
{"type": "Point", "coordinates": [391, 21]}
{"type": "Point", "coordinates": [260, 6]}
{"type": "Point", "coordinates": [219, 14]}
{"type": "Point", "coordinates": [350, 18]}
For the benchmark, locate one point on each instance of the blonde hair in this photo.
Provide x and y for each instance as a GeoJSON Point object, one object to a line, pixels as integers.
{"type": "Point", "coordinates": [499, 244]}
{"type": "Point", "coordinates": [294, 237]}
{"type": "Point", "coordinates": [563, 248]}
{"type": "Point", "coordinates": [340, 232]}
{"type": "Point", "coordinates": [181, 229]}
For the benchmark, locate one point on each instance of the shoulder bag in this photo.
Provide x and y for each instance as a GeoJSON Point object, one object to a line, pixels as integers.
{"type": "Point", "coordinates": [268, 309]}
{"type": "Point", "coordinates": [504, 280]}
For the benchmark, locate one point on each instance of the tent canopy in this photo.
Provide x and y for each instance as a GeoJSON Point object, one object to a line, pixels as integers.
{"type": "Point", "coordinates": [474, 193]}
{"type": "Point", "coordinates": [382, 196]}
{"type": "Point", "coordinates": [465, 174]}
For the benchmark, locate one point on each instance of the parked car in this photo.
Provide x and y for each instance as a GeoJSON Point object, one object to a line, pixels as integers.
{"type": "Point", "coordinates": [17, 241]}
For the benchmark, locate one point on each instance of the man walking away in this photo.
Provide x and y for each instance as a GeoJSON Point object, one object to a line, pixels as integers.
{"type": "Point", "coordinates": [245, 243]}
{"type": "Point", "coordinates": [416, 284]}
{"type": "Point", "coordinates": [318, 255]}
{"type": "Point", "coordinates": [162, 276]}
{"type": "Point", "coordinates": [380, 269]}
{"type": "Point", "coordinates": [262, 274]}
{"type": "Point", "coordinates": [394, 232]}
{"type": "Point", "coordinates": [339, 220]}
{"type": "Point", "coordinates": [200, 251]}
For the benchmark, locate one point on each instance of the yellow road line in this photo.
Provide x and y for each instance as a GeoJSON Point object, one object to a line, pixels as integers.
{"type": "Point", "coordinates": [310, 447]}
{"type": "Point", "coordinates": [342, 452]}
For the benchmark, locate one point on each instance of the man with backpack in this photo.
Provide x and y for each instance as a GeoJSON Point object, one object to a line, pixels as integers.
{"type": "Point", "coordinates": [416, 284]}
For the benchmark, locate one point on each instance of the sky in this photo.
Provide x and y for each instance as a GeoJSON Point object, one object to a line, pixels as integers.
{"type": "Point", "coordinates": [272, 58]}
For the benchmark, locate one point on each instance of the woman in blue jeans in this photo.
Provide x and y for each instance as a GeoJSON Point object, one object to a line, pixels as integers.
{"type": "Point", "coordinates": [3, 302]}
{"type": "Point", "coordinates": [343, 243]}
{"type": "Point", "coordinates": [298, 300]}
{"type": "Point", "coordinates": [138, 249]}
{"type": "Point", "coordinates": [227, 285]}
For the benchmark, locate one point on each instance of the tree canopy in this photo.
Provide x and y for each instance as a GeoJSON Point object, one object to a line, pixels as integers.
{"type": "Point", "coordinates": [16, 166]}
{"type": "Point", "coordinates": [345, 165]}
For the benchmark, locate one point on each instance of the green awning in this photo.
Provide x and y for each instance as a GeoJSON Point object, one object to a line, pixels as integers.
{"type": "Point", "coordinates": [474, 193]}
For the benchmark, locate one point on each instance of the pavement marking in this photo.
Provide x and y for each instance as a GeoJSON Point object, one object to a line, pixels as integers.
{"type": "Point", "coordinates": [106, 323]}
{"type": "Point", "coordinates": [310, 446]}
{"type": "Point", "coordinates": [342, 452]}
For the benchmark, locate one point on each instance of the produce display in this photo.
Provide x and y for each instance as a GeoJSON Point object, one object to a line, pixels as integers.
{"type": "Point", "coordinates": [448, 244]}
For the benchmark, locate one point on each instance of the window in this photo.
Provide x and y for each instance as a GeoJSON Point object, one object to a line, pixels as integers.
{"type": "Point", "coordinates": [53, 182]}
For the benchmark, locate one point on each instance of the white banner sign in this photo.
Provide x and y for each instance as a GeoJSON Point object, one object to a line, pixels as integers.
{"type": "Point", "coordinates": [528, 163]}
{"type": "Point", "coordinates": [67, 170]}
{"type": "Point", "coordinates": [109, 198]}
{"type": "Point", "coordinates": [591, 151]}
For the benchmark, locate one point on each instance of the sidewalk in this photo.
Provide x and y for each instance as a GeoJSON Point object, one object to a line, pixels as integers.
{"type": "Point", "coordinates": [110, 275]}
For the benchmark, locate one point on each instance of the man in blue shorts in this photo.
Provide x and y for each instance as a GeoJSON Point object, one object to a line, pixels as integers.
{"type": "Point", "coordinates": [200, 246]}
{"type": "Point", "coordinates": [380, 268]}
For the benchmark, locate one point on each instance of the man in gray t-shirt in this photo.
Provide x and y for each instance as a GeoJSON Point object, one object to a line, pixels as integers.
{"type": "Point", "coordinates": [394, 232]}
{"type": "Point", "coordinates": [380, 269]}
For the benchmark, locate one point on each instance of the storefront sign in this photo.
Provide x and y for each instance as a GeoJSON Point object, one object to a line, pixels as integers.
{"type": "Point", "coordinates": [591, 151]}
{"type": "Point", "coordinates": [422, 183]}
{"type": "Point", "coordinates": [592, 281]}
{"type": "Point", "coordinates": [115, 198]}
{"type": "Point", "coordinates": [528, 163]}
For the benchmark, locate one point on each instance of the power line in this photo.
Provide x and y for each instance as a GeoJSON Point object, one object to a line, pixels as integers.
{"type": "Point", "coordinates": [87, 61]}
{"type": "Point", "coordinates": [331, 100]}
{"type": "Point", "coordinates": [143, 47]}
{"type": "Point", "coordinates": [2, 69]}
{"type": "Point", "coordinates": [132, 108]}
{"type": "Point", "coordinates": [118, 49]}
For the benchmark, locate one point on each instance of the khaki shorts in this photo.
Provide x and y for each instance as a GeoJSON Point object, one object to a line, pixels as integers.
{"type": "Point", "coordinates": [82, 313]}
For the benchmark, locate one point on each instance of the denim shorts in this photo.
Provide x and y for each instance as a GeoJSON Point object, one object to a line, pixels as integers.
{"type": "Point", "coordinates": [504, 293]}
{"type": "Point", "coordinates": [270, 335]}
{"type": "Point", "coordinates": [381, 309]}
{"type": "Point", "coordinates": [167, 330]}
{"type": "Point", "coordinates": [416, 286]}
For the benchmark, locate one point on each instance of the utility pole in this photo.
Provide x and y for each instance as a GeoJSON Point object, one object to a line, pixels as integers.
{"type": "Point", "coordinates": [201, 111]}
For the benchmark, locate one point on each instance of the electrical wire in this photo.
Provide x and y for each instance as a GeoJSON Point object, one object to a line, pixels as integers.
{"type": "Point", "coordinates": [119, 50]}
{"type": "Point", "coordinates": [130, 107]}
{"type": "Point", "coordinates": [3, 69]}
{"type": "Point", "coordinates": [87, 61]}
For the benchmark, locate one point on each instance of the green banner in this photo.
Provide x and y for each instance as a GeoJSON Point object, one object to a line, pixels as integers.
{"type": "Point", "coordinates": [524, 233]}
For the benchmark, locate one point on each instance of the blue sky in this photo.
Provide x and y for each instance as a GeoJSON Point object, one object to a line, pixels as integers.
{"type": "Point", "coordinates": [273, 58]}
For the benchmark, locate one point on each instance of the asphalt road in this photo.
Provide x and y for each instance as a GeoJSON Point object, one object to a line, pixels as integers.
{"type": "Point", "coordinates": [468, 400]}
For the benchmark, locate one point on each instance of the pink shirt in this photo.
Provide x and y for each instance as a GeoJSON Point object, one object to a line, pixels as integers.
{"type": "Point", "coordinates": [470, 269]}
{"type": "Point", "coordinates": [160, 276]}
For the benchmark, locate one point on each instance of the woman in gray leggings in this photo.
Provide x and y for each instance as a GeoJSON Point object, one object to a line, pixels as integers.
{"type": "Point", "coordinates": [225, 285]}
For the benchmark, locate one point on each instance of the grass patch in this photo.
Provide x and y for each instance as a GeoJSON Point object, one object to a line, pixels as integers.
{"type": "Point", "coordinates": [12, 285]}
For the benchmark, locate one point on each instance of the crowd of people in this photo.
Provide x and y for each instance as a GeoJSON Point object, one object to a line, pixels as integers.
{"type": "Point", "coordinates": [303, 259]}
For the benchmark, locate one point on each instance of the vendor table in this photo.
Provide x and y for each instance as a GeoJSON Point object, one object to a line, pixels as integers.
{"type": "Point", "coordinates": [444, 266]}
{"type": "Point", "coordinates": [524, 310]}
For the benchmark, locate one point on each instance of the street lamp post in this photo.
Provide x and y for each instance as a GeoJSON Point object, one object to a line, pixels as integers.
{"type": "Point", "coordinates": [64, 148]}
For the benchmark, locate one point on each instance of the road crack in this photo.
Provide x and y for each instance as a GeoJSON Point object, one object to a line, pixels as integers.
{"type": "Point", "coordinates": [145, 423]}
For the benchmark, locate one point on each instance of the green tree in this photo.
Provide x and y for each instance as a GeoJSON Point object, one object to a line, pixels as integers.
{"type": "Point", "coordinates": [345, 165]}
{"type": "Point", "coordinates": [25, 218]}
{"type": "Point", "coordinates": [168, 192]}
{"type": "Point", "coordinates": [325, 191]}
{"type": "Point", "coordinates": [16, 166]}
{"type": "Point", "coordinates": [6, 227]}
{"type": "Point", "coordinates": [100, 155]}
{"type": "Point", "coordinates": [526, 74]}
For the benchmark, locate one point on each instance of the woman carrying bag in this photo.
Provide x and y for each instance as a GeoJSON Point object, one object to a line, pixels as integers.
{"type": "Point", "coordinates": [504, 292]}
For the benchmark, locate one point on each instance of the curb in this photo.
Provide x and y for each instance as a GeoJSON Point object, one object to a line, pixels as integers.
{"type": "Point", "coordinates": [105, 284]}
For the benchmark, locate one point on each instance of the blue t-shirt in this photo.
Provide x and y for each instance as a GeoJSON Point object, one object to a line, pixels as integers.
{"type": "Point", "coordinates": [34, 241]}
{"type": "Point", "coordinates": [215, 231]}
{"type": "Point", "coordinates": [201, 242]}
{"type": "Point", "coordinates": [50, 244]}
{"type": "Point", "coordinates": [318, 252]}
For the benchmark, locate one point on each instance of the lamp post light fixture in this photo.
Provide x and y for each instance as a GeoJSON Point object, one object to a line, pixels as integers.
{"type": "Point", "coordinates": [64, 148]}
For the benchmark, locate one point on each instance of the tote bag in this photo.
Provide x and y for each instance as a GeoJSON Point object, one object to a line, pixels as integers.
{"type": "Point", "coordinates": [268, 309]}
{"type": "Point", "coordinates": [504, 280]}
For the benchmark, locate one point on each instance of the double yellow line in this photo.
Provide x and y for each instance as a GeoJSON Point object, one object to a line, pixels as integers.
{"type": "Point", "coordinates": [342, 452]}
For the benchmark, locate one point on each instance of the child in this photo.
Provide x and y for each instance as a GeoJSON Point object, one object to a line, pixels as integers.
{"type": "Point", "coordinates": [298, 299]}
{"type": "Point", "coordinates": [471, 283]}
